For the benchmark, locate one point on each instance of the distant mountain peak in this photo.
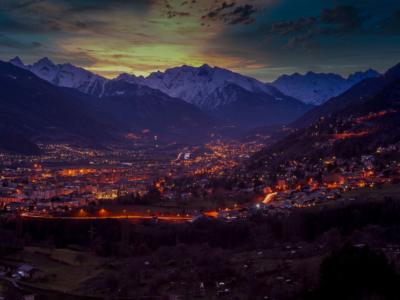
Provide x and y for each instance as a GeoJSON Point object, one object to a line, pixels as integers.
{"type": "Point", "coordinates": [45, 61]}
{"type": "Point", "coordinates": [359, 76]}
{"type": "Point", "coordinates": [16, 61]}
{"type": "Point", "coordinates": [220, 92]}
{"type": "Point", "coordinates": [394, 71]}
{"type": "Point", "coordinates": [205, 66]}
{"type": "Point", "coordinates": [317, 88]}
{"type": "Point", "coordinates": [198, 85]}
{"type": "Point", "coordinates": [126, 76]}
{"type": "Point", "coordinates": [65, 75]}
{"type": "Point", "coordinates": [310, 73]}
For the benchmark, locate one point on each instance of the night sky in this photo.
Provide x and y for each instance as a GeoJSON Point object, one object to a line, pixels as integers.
{"type": "Point", "coordinates": [261, 38]}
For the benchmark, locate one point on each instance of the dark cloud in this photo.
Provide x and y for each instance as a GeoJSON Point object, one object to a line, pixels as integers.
{"type": "Point", "coordinates": [340, 20]}
{"type": "Point", "coordinates": [13, 5]}
{"type": "Point", "coordinates": [140, 6]}
{"type": "Point", "coordinates": [349, 33]}
{"type": "Point", "coordinates": [219, 11]}
{"type": "Point", "coordinates": [9, 42]}
{"type": "Point", "coordinates": [345, 18]}
{"type": "Point", "coordinates": [391, 25]}
{"type": "Point", "coordinates": [176, 13]}
{"type": "Point", "coordinates": [28, 20]}
{"type": "Point", "coordinates": [68, 8]}
{"type": "Point", "coordinates": [232, 14]}
{"type": "Point", "coordinates": [292, 27]}
{"type": "Point", "coordinates": [12, 25]}
{"type": "Point", "coordinates": [36, 44]}
{"type": "Point", "coordinates": [300, 33]}
{"type": "Point", "coordinates": [172, 12]}
{"type": "Point", "coordinates": [242, 15]}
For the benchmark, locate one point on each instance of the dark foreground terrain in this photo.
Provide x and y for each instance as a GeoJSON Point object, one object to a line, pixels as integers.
{"type": "Point", "coordinates": [348, 249]}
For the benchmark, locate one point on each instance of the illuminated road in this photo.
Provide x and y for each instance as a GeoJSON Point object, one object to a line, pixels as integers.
{"type": "Point", "coordinates": [117, 217]}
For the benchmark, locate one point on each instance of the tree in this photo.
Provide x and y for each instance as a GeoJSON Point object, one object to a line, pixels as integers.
{"type": "Point", "coordinates": [357, 273]}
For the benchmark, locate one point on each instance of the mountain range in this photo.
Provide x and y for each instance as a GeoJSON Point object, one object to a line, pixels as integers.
{"type": "Point", "coordinates": [357, 122]}
{"type": "Point", "coordinates": [64, 75]}
{"type": "Point", "coordinates": [317, 88]}
{"type": "Point", "coordinates": [357, 94]}
{"type": "Point", "coordinates": [201, 86]}
{"type": "Point", "coordinates": [35, 110]}
{"type": "Point", "coordinates": [51, 102]}
{"type": "Point", "coordinates": [221, 93]}
{"type": "Point", "coordinates": [204, 85]}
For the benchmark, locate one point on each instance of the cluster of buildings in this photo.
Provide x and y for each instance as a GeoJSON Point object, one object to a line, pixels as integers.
{"type": "Point", "coordinates": [52, 188]}
{"type": "Point", "coordinates": [291, 184]}
{"type": "Point", "coordinates": [213, 158]}
{"type": "Point", "coordinates": [65, 177]}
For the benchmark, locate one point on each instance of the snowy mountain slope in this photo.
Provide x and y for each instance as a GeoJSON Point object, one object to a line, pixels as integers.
{"type": "Point", "coordinates": [16, 61]}
{"type": "Point", "coordinates": [317, 88]}
{"type": "Point", "coordinates": [224, 94]}
{"type": "Point", "coordinates": [218, 92]}
{"type": "Point", "coordinates": [201, 85]}
{"type": "Point", "coordinates": [34, 109]}
{"type": "Point", "coordinates": [65, 75]}
{"type": "Point", "coordinates": [357, 94]}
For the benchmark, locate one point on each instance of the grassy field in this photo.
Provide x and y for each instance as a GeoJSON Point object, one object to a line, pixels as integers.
{"type": "Point", "coordinates": [64, 270]}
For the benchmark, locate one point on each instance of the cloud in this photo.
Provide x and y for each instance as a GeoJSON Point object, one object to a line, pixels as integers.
{"type": "Point", "coordinates": [346, 18]}
{"type": "Point", "coordinates": [219, 11]}
{"type": "Point", "coordinates": [292, 27]}
{"type": "Point", "coordinates": [390, 25]}
{"type": "Point", "coordinates": [112, 36]}
{"type": "Point", "coordinates": [299, 33]}
{"type": "Point", "coordinates": [172, 12]}
{"type": "Point", "coordinates": [231, 13]}
{"type": "Point", "coordinates": [9, 42]}
{"type": "Point", "coordinates": [80, 6]}
{"type": "Point", "coordinates": [242, 15]}
{"type": "Point", "coordinates": [340, 20]}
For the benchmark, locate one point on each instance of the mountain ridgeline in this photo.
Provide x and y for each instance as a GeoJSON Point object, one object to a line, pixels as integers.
{"type": "Point", "coordinates": [359, 93]}
{"type": "Point", "coordinates": [317, 88]}
{"type": "Point", "coordinates": [358, 122]}
{"type": "Point", "coordinates": [34, 110]}
{"type": "Point", "coordinates": [222, 94]}
{"type": "Point", "coordinates": [47, 102]}
{"type": "Point", "coordinates": [226, 95]}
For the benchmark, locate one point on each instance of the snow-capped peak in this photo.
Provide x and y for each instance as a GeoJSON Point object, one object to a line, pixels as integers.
{"type": "Point", "coordinates": [16, 61]}
{"type": "Point", "coordinates": [317, 88]}
{"type": "Point", "coordinates": [45, 61]}
{"type": "Point", "coordinates": [197, 84]}
{"type": "Point", "coordinates": [359, 76]}
{"type": "Point", "coordinates": [130, 78]}
{"type": "Point", "coordinates": [65, 75]}
{"type": "Point", "coordinates": [45, 69]}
